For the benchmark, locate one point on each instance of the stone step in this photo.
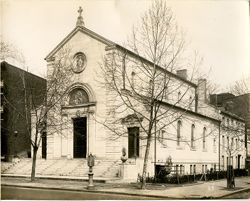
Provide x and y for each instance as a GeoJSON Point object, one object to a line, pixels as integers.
{"type": "Point", "coordinates": [64, 167]}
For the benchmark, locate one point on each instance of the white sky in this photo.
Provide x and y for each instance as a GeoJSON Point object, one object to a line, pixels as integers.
{"type": "Point", "coordinates": [217, 29]}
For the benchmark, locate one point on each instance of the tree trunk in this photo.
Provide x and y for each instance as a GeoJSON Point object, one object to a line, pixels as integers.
{"type": "Point", "coordinates": [33, 171]}
{"type": "Point", "coordinates": [145, 164]}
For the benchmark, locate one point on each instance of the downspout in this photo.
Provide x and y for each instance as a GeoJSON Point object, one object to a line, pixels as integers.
{"type": "Point", "coordinates": [155, 148]}
{"type": "Point", "coordinates": [219, 145]}
{"type": "Point", "coordinates": [196, 100]}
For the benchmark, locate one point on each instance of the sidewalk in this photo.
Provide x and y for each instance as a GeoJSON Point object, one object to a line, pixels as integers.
{"type": "Point", "coordinates": [213, 189]}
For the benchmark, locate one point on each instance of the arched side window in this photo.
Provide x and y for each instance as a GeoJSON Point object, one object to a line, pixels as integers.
{"type": "Point", "coordinates": [204, 138]}
{"type": "Point", "coordinates": [179, 132]}
{"type": "Point", "coordinates": [133, 80]}
{"type": "Point", "coordinates": [192, 136]}
{"type": "Point", "coordinates": [190, 102]}
{"type": "Point", "coordinates": [78, 96]}
{"type": "Point", "coordinates": [179, 96]}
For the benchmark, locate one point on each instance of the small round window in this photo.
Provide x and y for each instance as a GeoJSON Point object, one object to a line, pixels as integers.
{"type": "Point", "coordinates": [79, 62]}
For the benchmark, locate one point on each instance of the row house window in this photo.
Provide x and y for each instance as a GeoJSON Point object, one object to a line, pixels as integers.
{"type": "Point", "coordinates": [237, 143]}
{"type": "Point", "coordinates": [192, 169]}
{"type": "Point", "coordinates": [192, 136]}
{"type": "Point", "coordinates": [214, 145]}
{"type": "Point", "coordinates": [180, 169]}
{"type": "Point", "coordinates": [223, 162]}
{"type": "Point", "coordinates": [179, 132]}
{"type": "Point", "coordinates": [204, 138]}
{"type": "Point", "coordinates": [223, 142]}
{"type": "Point", "coordinates": [232, 144]}
{"type": "Point", "coordinates": [204, 169]}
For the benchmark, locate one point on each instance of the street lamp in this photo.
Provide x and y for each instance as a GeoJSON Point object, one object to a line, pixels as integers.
{"type": "Point", "coordinates": [15, 151]}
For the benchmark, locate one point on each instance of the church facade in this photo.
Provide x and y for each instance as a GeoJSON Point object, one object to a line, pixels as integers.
{"type": "Point", "coordinates": [192, 141]}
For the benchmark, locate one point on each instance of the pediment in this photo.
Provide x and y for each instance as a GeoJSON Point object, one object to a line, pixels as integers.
{"type": "Point", "coordinates": [84, 30]}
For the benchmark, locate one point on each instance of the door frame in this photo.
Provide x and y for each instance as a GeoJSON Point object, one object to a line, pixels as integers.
{"type": "Point", "coordinates": [86, 135]}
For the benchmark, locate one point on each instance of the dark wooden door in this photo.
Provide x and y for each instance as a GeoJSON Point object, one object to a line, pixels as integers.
{"type": "Point", "coordinates": [80, 137]}
{"type": "Point", "coordinates": [133, 142]}
{"type": "Point", "coordinates": [44, 145]}
{"type": "Point", "coordinates": [239, 161]}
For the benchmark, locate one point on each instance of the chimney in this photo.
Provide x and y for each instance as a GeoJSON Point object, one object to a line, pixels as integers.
{"type": "Point", "coordinates": [202, 90]}
{"type": "Point", "coordinates": [182, 73]}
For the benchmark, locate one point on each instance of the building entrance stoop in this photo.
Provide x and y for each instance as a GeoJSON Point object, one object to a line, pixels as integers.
{"type": "Point", "coordinates": [71, 168]}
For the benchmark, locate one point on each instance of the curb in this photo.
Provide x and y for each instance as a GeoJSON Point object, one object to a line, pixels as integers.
{"type": "Point", "coordinates": [109, 191]}
{"type": "Point", "coordinates": [235, 192]}
{"type": "Point", "coordinates": [90, 191]}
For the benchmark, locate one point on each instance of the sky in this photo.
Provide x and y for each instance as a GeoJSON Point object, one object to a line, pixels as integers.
{"type": "Point", "coordinates": [217, 29]}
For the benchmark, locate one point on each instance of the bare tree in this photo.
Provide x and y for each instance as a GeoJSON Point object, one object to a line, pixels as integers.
{"type": "Point", "coordinates": [241, 87]}
{"type": "Point", "coordinates": [40, 104]}
{"type": "Point", "coordinates": [141, 84]}
{"type": "Point", "coordinates": [52, 98]}
{"type": "Point", "coordinates": [9, 53]}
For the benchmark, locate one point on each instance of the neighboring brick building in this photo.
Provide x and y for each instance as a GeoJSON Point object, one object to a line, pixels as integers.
{"type": "Point", "coordinates": [14, 138]}
{"type": "Point", "coordinates": [239, 105]}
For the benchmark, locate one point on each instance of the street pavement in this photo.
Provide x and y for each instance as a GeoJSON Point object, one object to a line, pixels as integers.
{"type": "Point", "coordinates": [212, 189]}
{"type": "Point", "coordinates": [20, 193]}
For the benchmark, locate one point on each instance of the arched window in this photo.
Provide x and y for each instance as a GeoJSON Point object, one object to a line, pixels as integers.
{"type": "Point", "coordinates": [204, 138]}
{"type": "Point", "coordinates": [178, 132]}
{"type": "Point", "coordinates": [223, 142]}
{"type": "Point", "coordinates": [214, 145]}
{"type": "Point", "coordinates": [192, 136]}
{"type": "Point", "coordinates": [133, 79]}
{"type": "Point", "coordinates": [190, 102]}
{"type": "Point", "coordinates": [223, 162]}
{"type": "Point", "coordinates": [179, 96]}
{"type": "Point", "coordinates": [191, 169]}
{"type": "Point", "coordinates": [236, 161]}
{"type": "Point", "coordinates": [78, 96]}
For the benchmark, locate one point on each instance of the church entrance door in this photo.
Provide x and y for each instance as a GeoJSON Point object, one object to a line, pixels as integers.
{"type": "Point", "coordinates": [133, 142]}
{"type": "Point", "coordinates": [80, 137]}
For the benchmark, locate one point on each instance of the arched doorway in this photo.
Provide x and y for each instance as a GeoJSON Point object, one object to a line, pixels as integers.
{"type": "Point", "coordinates": [78, 97]}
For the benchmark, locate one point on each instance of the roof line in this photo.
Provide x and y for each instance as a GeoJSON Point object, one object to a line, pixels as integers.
{"type": "Point", "coordinates": [232, 115]}
{"type": "Point", "coordinates": [73, 32]}
{"type": "Point", "coordinates": [190, 111]}
{"type": "Point", "coordinates": [110, 45]}
{"type": "Point", "coordinates": [5, 63]}
{"type": "Point", "coordinates": [151, 63]}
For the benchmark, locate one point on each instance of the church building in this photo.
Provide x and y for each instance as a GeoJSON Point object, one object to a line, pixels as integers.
{"type": "Point", "coordinates": [192, 141]}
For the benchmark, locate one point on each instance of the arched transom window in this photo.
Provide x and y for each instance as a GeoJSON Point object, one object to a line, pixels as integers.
{"type": "Point", "coordinates": [78, 96]}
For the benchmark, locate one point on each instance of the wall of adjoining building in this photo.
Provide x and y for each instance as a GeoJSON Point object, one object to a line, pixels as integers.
{"type": "Point", "coordinates": [15, 128]}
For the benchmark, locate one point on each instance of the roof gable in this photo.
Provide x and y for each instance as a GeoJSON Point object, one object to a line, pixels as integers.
{"type": "Point", "coordinates": [110, 45]}
{"type": "Point", "coordinates": [72, 33]}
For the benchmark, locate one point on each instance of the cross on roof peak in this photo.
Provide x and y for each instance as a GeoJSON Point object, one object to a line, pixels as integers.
{"type": "Point", "coordinates": [80, 21]}
{"type": "Point", "coordinates": [80, 11]}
